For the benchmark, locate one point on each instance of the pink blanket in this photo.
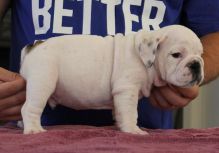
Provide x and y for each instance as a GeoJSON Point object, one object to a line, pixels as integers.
{"type": "Point", "coordinates": [86, 139]}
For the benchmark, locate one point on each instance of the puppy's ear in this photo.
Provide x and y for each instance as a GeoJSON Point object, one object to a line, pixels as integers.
{"type": "Point", "coordinates": [147, 44]}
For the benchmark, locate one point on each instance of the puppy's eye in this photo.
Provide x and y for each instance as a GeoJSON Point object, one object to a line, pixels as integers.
{"type": "Point", "coordinates": [177, 55]}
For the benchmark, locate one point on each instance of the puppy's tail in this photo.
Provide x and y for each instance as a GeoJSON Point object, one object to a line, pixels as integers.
{"type": "Point", "coordinates": [25, 51]}
{"type": "Point", "coordinates": [28, 48]}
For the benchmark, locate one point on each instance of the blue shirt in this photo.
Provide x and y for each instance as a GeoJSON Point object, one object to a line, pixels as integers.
{"type": "Point", "coordinates": [40, 19]}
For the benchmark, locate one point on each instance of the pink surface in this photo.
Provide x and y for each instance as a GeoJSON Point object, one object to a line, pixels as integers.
{"type": "Point", "coordinates": [86, 139]}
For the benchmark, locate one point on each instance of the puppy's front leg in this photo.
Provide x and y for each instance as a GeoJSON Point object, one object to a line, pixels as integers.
{"type": "Point", "coordinates": [125, 105]}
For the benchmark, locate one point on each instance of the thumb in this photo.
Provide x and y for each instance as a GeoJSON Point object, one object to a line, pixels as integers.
{"type": "Point", "coordinates": [188, 92]}
{"type": "Point", "coordinates": [7, 76]}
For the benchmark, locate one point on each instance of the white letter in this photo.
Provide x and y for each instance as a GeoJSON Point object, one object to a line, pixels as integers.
{"type": "Point", "coordinates": [155, 22]}
{"type": "Point", "coordinates": [127, 14]}
{"type": "Point", "coordinates": [37, 12]}
{"type": "Point", "coordinates": [59, 12]}
{"type": "Point", "coordinates": [87, 16]}
{"type": "Point", "coordinates": [111, 4]}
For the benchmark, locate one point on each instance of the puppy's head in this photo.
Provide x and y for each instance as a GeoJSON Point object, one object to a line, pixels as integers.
{"type": "Point", "coordinates": [175, 52]}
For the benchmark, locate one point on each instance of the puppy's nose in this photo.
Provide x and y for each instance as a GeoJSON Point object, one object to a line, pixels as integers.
{"type": "Point", "coordinates": [195, 67]}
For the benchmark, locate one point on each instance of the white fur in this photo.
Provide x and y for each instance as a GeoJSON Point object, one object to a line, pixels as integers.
{"type": "Point", "coordinates": [93, 72]}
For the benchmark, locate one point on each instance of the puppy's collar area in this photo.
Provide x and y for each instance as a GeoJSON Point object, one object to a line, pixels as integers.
{"type": "Point", "coordinates": [158, 81]}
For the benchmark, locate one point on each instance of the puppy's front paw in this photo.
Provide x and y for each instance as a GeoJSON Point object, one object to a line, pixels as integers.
{"type": "Point", "coordinates": [34, 130]}
{"type": "Point", "coordinates": [135, 130]}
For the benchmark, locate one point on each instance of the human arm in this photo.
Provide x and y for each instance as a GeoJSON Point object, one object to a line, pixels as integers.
{"type": "Point", "coordinates": [211, 55]}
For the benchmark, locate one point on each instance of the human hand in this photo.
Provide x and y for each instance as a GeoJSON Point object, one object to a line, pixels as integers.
{"type": "Point", "coordinates": [172, 97]}
{"type": "Point", "coordinates": [12, 95]}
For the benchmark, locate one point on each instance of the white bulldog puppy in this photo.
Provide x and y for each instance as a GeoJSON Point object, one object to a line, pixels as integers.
{"type": "Point", "coordinates": [93, 72]}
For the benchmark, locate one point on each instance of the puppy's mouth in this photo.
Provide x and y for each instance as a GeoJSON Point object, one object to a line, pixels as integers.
{"type": "Point", "coordinates": [190, 74]}
{"type": "Point", "coordinates": [191, 84]}
{"type": "Point", "coordinates": [195, 69]}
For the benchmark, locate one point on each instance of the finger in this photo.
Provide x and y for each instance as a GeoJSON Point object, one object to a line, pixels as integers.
{"type": "Point", "coordinates": [14, 100]}
{"type": "Point", "coordinates": [153, 101]}
{"type": "Point", "coordinates": [12, 118]}
{"type": "Point", "coordinates": [13, 111]}
{"type": "Point", "coordinates": [174, 98]}
{"type": "Point", "coordinates": [191, 93]}
{"type": "Point", "coordinates": [10, 88]}
{"type": "Point", "coordinates": [7, 76]}
{"type": "Point", "coordinates": [161, 100]}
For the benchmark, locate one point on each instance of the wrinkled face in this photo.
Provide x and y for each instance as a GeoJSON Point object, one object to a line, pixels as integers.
{"type": "Point", "coordinates": [179, 59]}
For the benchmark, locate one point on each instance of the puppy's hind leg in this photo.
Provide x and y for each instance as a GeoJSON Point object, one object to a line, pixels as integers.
{"type": "Point", "coordinates": [40, 86]}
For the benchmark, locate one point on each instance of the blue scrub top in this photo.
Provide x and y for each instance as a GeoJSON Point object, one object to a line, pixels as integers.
{"type": "Point", "coordinates": [41, 19]}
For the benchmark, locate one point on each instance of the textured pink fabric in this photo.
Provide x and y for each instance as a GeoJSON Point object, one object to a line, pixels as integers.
{"type": "Point", "coordinates": [85, 139]}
